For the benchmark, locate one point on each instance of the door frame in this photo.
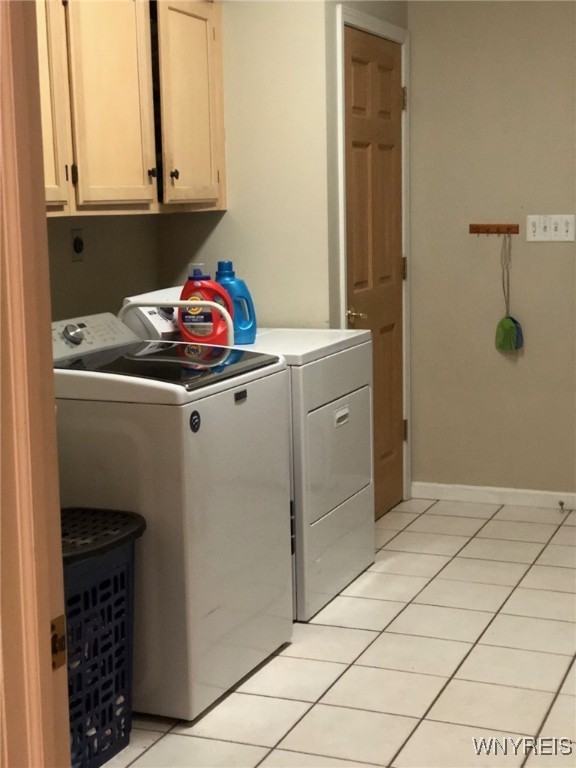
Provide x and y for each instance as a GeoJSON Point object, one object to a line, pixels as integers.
{"type": "Point", "coordinates": [33, 696]}
{"type": "Point", "coordinates": [347, 17]}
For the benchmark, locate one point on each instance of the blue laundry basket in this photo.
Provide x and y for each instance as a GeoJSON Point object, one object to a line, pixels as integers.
{"type": "Point", "coordinates": [98, 551]}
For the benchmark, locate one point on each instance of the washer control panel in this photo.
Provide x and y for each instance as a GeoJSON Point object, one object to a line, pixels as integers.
{"type": "Point", "coordinates": [91, 333]}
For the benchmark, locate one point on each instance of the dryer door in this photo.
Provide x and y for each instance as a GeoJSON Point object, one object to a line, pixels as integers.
{"type": "Point", "coordinates": [338, 452]}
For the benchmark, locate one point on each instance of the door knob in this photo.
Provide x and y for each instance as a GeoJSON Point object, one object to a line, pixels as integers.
{"type": "Point", "coordinates": [175, 174]}
{"type": "Point", "coordinates": [353, 316]}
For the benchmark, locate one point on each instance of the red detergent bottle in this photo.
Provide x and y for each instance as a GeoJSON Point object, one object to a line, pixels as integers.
{"type": "Point", "coordinates": [202, 325]}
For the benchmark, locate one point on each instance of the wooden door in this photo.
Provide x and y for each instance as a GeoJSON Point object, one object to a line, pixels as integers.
{"type": "Point", "coordinates": [54, 100]}
{"type": "Point", "coordinates": [33, 696]}
{"type": "Point", "coordinates": [188, 47]}
{"type": "Point", "coordinates": [373, 107]}
{"type": "Point", "coordinates": [112, 103]}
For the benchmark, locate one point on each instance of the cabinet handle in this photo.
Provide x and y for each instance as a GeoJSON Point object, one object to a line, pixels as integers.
{"type": "Point", "coordinates": [175, 174]}
{"type": "Point", "coordinates": [152, 172]}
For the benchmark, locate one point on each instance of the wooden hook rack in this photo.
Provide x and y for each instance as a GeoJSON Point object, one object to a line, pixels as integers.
{"type": "Point", "coordinates": [494, 229]}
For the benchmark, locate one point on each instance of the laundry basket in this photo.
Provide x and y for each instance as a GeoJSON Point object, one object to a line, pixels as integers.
{"type": "Point", "coordinates": [98, 550]}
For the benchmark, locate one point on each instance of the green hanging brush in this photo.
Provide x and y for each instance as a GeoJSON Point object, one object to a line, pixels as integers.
{"type": "Point", "coordinates": [509, 336]}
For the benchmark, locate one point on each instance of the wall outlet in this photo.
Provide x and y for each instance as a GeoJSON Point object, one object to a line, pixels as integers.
{"type": "Point", "coordinates": [77, 244]}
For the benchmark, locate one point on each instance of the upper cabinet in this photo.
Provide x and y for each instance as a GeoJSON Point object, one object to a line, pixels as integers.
{"type": "Point", "coordinates": [131, 105]}
{"type": "Point", "coordinates": [190, 99]}
{"type": "Point", "coordinates": [54, 101]}
{"type": "Point", "coordinates": [111, 95]}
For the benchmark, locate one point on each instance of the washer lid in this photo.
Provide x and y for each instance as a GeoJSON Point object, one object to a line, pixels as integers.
{"type": "Point", "coordinates": [190, 366]}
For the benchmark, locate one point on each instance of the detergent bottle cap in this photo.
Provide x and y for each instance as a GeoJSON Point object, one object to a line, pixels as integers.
{"type": "Point", "coordinates": [225, 269]}
{"type": "Point", "coordinates": [195, 272]}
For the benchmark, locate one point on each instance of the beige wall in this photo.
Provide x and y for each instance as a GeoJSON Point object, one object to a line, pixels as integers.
{"type": "Point", "coordinates": [275, 229]}
{"type": "Point", "coordinates": [119, 260]}
{"type": "Point", "coordinates": [492, 139]}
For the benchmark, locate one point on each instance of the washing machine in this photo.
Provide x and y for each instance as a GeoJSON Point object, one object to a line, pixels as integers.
{"type": "Point", "coordinates": [331, 458]}
{"type": "Point", "coordinates": [195, 439]}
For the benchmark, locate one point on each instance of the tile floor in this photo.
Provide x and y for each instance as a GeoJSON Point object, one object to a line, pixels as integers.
{"type": "Point", "coordinates": [464, 628]}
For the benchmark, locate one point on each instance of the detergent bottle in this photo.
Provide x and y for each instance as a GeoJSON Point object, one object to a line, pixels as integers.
{"type": "Point", "coordinates": [244, 317]}
{"type": "Point", "coordinates": [203, 325]}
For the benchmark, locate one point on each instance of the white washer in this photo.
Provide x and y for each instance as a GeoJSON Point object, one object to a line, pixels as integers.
{"type": "Point", "coordinates": [203, 455]}
{"type": "Point", "coordinates": [331, 461]}
{"type": "Point", "coordinates": [333, 492]}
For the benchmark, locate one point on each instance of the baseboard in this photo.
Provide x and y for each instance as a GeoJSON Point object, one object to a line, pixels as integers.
{"type": "Point", "coordinates": [485, 494]}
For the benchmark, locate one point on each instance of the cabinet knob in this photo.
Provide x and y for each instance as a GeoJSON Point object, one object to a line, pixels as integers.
{"type": "Point", "coordinates": [152, 172]}
{"type": "Point", "coordinates": [175, 174]}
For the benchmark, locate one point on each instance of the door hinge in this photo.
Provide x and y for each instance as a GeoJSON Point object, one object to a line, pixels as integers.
{"type": "Point", "coordinates": [58, 641]}
{"type": "Point", "coordinates": [404, 268]}
{"type": "Point", "coordinates": [405, 430]}
{"type": "Point", "coordinates": [74, 170]}
{"type": "Point", "coordinates": [404, 97]}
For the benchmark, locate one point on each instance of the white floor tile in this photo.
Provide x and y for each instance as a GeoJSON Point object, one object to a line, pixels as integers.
{"type": "Point", "coordinates": [484, 571]}
{"type": "Point", "coordinates": [447, 623]}
{"type": "Point", "coordinates": [455, 526]}
{"type": "Point", "coordinates": [443, 745]}
{"type": "Point", "coordinates": [414, 505]}
{"type": "Point", "coordinates": [519, 514]}
{"type": "Point", "coordinates": [558, 759]}
{"type": "Point", "coordinates": [562, 718]}
{"type": "Point", "coordinates": [507, 551]}
{"type": "Point", "coordinates": [427, 543]}
{"type": "Point", "coordinates": [385, 690]}
{"type": "Point", "coordinates": [464, 509]}
{"type": "Point", "coordinates": [350, 734]}
{"type": "Point", "coordinates": [492, 706]}
{"type": "Point", "coordinates": [408, 563]}
{"type": "Point", "coordinates": [410, 653]}
{"type": "Point", "coordinates": [140, 741]}
{"type": "Point", "coordinates": [505, 530]}
{"type": "Point", "coordinates": [395, 521]}
{"type": "Point", "coordinates": [565, 536]}
{"type": "Point", "coordinates": [463, 594]}
{"type": "Point", "coordinates": [313, 641]}
{"type": "Point", "coordinates": [258, 720]}
{"type": "Point", "coordinates": [386, 586]}
{"type": "Point", "coordinates": [569, 687]}
{"type": "Point", "coordinates": [383, 536]}
{"type": "Point", "coordinates": [541, 604]}
{"type": "Point", "coordinates": [287, 678]}
{"type": "Point", "coordinates": [531, 634]}
{"type": "Point", "coordinates": [152, 723]}
{"type": "Point", "coordinates": [548, 577]}
{"type": "Point", "coordinates": [281, 758]}
{"type": "Point", "coordinates": [358, 613]}
{"type": "Point", "coordinates": [513, 667]}
{"type": "Point", "coordinates": [563, 557]}
{"type": "Point", "coordinates": [176, 751]}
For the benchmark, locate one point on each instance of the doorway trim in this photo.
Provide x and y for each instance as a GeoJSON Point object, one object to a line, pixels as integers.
{"type": "Point", "coordinates": [347, 17]}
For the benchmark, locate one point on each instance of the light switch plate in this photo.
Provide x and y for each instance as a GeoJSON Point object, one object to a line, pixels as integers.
{"type": "Point", "coordinates": [555, 227]}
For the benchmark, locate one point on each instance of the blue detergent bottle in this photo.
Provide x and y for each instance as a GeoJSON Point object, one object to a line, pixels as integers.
{"type": "Point", "coordinates": [244, 315]}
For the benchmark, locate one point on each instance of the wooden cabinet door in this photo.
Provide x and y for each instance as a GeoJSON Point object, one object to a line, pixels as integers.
{"type": "Point", "coordinates": [190, 95]}
{"type": "Point", "coordinates": [54, 100]}
{"type": "Point", "coordinates": [112, 107]}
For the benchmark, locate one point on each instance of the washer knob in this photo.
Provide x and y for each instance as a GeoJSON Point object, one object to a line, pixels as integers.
{"type": "Point", "coordinates": [73, 333]}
